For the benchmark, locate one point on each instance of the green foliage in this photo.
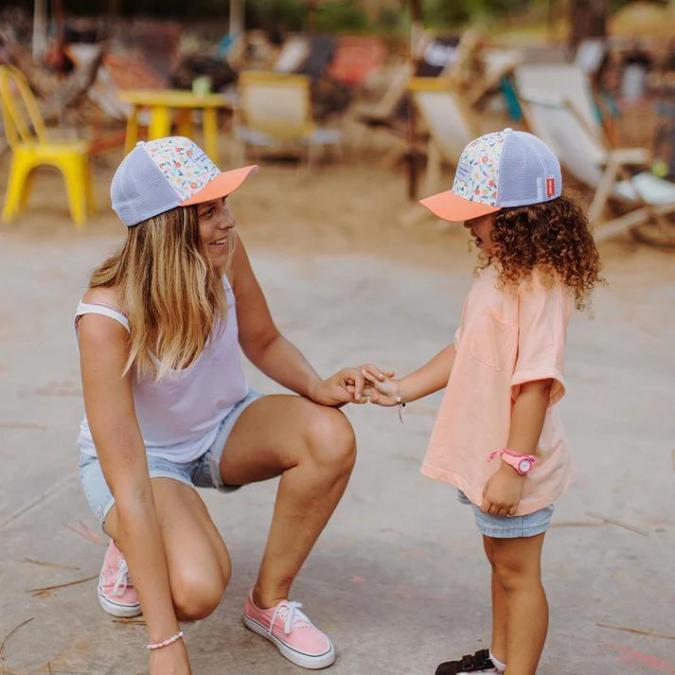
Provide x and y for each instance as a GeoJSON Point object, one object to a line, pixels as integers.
{"type": "Point", "coordinates": [447, 13]}
{"type": "Point", "coordinates": [330, 15]}
{"type": "Point", "coordinates": [284, 15]}
{"type": "Point", "coordinates": [339, 16]}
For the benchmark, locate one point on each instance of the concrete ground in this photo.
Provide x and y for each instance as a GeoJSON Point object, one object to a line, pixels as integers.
{"type": "Point", "coordinates": [398, 578]}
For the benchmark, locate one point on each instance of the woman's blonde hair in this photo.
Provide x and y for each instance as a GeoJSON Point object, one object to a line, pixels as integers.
{"type": "Point", "coordinates": [171, 293]}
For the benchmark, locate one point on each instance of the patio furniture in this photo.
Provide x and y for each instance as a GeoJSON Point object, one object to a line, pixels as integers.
{"type": "Point", "coordinates": [161, 104]}
{"type": "Point", "coordinates": [565, 80]}
{"type": "Point", "coordinates": [275, 111]}
{"type": "Point", "coordinates": [448, 121]}
{"type": "Point", "coordinates": [604, 170]}
{"type": "Point", "coordinates": [32, 147]}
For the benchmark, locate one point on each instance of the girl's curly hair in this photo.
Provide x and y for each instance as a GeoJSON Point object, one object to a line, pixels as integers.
{"type": "Point", "coordinates": [551, 237]}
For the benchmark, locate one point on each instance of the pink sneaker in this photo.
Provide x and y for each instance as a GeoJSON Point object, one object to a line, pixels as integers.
{"type": "Point", "coordinates": [293, 634]}
{"type": "Point", "coordinates": [116, 593]}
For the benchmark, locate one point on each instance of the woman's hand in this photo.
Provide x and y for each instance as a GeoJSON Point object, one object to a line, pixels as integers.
{"type": "Point", "coordinates": [170, 660]}
{"type": "Point", "coordinates": [381, 388]}
{"type": "Point", "coordinates": [503, 492]}
{"type": "Point", "coordinates": [346, 386]}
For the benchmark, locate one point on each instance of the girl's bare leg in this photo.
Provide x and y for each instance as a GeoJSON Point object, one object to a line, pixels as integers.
{"type": "Point", "coordinates": [517, 569]}
{"type": "Point", "coordinates": [499, 608]}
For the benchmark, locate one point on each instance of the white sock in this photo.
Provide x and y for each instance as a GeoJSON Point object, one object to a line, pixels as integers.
{"type": "Point", "coordinates": [501, 667]}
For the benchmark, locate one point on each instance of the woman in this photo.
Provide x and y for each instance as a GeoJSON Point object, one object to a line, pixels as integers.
{"type": "Point", "coordinates": [168, 409]}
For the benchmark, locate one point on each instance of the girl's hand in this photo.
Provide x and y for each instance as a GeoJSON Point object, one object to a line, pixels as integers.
{"type": "Point", "coordinates": [170, 660]}
{"type": "Point", "coordinates": [382, 388]}
{"type": "Point", "coordinates": [503, 492]}
{"type": "Point", "coordinates": [346, 386]}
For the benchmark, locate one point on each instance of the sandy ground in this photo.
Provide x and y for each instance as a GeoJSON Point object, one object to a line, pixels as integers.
{"type": "Point", "coordinates": [398, 578]}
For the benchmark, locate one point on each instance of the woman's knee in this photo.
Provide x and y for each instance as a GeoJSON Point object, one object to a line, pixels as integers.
{"type": "Point", "coordinates": [330, 438]}
{"type": "Point", "coordinates": [198, 589]}
{"type": "Point", "coordinates": [197, 598]}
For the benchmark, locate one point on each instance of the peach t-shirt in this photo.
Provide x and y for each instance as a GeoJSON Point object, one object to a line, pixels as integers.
{"type": "Point", "coordinates": [505, 338]}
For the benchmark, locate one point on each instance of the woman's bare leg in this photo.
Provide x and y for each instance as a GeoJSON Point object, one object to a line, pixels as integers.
{"type": "Point", "coordinates": [196, 557]}
{"type": "Point", "coordinates": [312, 447]}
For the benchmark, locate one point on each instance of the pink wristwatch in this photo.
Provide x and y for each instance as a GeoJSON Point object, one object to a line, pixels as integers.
{"type": "Point", "coordinates": [523, 464]}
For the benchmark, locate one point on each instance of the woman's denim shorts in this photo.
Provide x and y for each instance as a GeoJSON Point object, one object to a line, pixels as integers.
{"type": "Point", "coordinates": [509, 527]}
{"type": "Point", "coordinates": [201, 472]}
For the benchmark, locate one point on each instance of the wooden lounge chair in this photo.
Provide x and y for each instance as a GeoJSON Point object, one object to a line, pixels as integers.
{"type": "Point", "coordinates": [448, 122]}
{"type": "Point", "coordinates": [293, 54]}
{"type": "Point", "coordinates": [565, 80]}
{"type": "Point", "coordinates": [606, 171]}
{"type": "Point", "coordinates": [497, 64]}
{"type": "Point", "coordinates": [276, 112]}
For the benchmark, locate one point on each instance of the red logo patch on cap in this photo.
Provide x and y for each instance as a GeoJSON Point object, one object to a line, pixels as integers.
{"type": "Point", "coordinates": [550, 187]}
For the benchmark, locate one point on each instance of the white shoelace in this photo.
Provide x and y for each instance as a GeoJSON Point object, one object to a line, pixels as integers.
{"type": "Point", "coordinates": [294, 618]}
{"type": "Point", "coordinates": [122, 578]}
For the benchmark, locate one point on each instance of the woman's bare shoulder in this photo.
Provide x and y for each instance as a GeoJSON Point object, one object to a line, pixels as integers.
{"type": "Point", "coordinates": [97, 328]}
{"type": "Point", "coordinates": [100, 295]}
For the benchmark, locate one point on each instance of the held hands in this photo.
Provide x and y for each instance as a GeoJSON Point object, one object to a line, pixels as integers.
{"type": "Point", "coordinates": [346, 386]}
{"type": "Point", "coordinates": [503, 492]}
{"type": "Point", "coordinates": [381, 387]}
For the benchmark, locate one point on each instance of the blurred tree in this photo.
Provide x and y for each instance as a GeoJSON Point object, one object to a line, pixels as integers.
{"type": "Point", "coordinates": [587, 19]}
{"type": "Point", "coordinates": [277, 15]}
{"type": "Point", "coordinates": [442, 12]}
{"type": "Point", "coordinates": [337, 15]}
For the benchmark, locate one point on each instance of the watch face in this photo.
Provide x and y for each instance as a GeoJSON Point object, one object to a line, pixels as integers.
{"type": "Point", "coordinates": [524, 465]}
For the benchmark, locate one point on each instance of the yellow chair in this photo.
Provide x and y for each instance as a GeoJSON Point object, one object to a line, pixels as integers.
{"type": "Point", "coordinates": [31, 148]}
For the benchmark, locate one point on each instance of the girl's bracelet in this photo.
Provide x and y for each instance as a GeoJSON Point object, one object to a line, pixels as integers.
{"type": "Point", "coordinates": [164, 643]}
{"type": "Point", "coordinates": [400, 404]}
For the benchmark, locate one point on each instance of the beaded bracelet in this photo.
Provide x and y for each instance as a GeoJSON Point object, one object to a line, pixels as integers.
{"type": "Point", "coordinates": [164, 643]}
{"type": "Point", "coordinates": [400, 403]}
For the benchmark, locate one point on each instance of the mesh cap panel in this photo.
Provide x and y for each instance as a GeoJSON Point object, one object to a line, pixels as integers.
{"type": "Point", "coordinates": [139, 190]}
{"type": "Point", "coordinates": [529, 172]}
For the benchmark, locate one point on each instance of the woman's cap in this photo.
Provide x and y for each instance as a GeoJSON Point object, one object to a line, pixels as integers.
{"type": "Point", "coordinates": [504, 168]}
{"type": "Point", "coordinates": [157, 176]}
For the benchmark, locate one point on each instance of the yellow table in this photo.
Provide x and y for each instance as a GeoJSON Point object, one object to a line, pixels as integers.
{"type": "Point", "coordinates": [161, 103]}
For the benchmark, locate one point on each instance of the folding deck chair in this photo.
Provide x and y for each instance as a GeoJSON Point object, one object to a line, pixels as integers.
{"type": "Point", "coordinates": [565, 80]}
{"type": "Point", "coordinates": [604, 170]}
{"type": "Point", "coordinates": [498, 64]}
{"type": "Point", "coordinates": [448, 122]}
{"type": "Point", "coordinates": [276, 112]}
{"type": "Point", "coordinates": [293, 54]}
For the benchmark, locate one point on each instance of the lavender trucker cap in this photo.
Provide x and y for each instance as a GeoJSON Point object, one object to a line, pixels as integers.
{"type": "Point", "coordinates": [501, 169]}
{"type": "Point", "coordinates": [157, 176]}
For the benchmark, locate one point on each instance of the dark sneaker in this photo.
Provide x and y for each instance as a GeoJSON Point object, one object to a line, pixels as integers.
{"type": "Point", "coordinates": [480, 662]}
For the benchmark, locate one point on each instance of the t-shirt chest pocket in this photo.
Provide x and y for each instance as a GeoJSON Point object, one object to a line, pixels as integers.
{"type": "Point", "coordinates": [493, 341]}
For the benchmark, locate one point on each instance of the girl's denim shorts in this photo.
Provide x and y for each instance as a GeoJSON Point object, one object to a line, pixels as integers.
{"type": "Point", "coordinates": [509, 527]}
{"type": "Point", "coordinates": [201, 472]}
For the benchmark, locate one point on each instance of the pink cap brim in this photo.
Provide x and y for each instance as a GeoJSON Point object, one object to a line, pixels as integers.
{"type": "Point", "coordinates": [221, 186]}
{"type": "Point", "coordinates": [449, 206]}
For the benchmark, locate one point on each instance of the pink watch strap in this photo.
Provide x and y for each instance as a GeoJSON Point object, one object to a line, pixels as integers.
{"type": "Point", "coordinates": [516, 455]}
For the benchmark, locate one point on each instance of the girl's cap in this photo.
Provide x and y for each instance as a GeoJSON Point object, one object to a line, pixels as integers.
{"type": "Point", "coordinates": [504, 168]}
{"type": "Point", "coordinates": [157, 176]}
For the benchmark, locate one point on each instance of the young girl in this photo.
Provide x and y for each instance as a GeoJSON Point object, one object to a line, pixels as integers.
{"type": "Point", "coordinates": [497, 437]}
{"type": "Point", "coordinates": [168, 409]}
